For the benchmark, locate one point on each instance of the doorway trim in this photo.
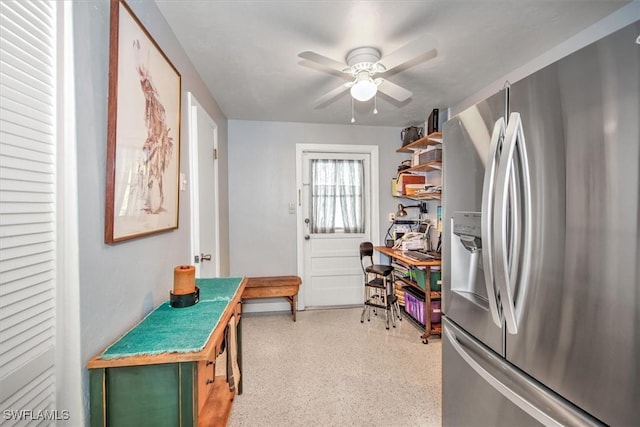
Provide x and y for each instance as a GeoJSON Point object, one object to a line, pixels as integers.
{"type": "Point", "coordinates": [372, 151]}
{"type": "Point", "coordinates": [195, 187]}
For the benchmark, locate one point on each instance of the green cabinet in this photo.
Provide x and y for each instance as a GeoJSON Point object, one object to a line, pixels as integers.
{"type": "Point", "coordinates": [148, 395]}
{"type": "Point", "coordinates": [162, 371]}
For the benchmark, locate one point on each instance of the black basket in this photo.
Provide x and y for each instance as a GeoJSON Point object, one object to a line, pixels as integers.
{"type": "Point", "coordinates": [186, 300]}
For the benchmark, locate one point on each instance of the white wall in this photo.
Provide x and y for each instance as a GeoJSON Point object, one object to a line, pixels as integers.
{"type": "Point", "coordinates": [121, 283]}
{"type": "Point", "coordinates": [262, 183]}
{"type": "Point", "coordinates": [617, 20]}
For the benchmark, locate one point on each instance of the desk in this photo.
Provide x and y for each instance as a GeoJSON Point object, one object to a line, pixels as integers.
{"type": "Point", "coordinates": [396, 254]}
{"type": "Point", "coordinates": [162, 371]}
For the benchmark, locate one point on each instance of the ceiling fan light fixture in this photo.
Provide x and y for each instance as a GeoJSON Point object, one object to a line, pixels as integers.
{"type": "Point", "coordinates": [364, 88]}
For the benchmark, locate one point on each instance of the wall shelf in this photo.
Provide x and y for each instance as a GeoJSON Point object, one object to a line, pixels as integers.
{"type": "Point", "coordinates": [419, 197]}
{"type": "Point", "coordinates": [434, 138]}
{"type": "Point", "coordinates": [435, 165]}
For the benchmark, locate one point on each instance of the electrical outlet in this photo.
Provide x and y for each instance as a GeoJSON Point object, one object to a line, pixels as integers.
{"type": "Point", "coordinates": [392, 216]}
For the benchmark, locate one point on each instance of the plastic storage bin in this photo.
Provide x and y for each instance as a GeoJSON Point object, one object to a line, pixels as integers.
{"type": "Point", "coordinates": [419, 276]}
{"type": "Point", "coordinates": [436, 312]}
{"type": "Point", "coordinates": [414, 304]}
{"type": "Point", "coordinates": [436, 279]}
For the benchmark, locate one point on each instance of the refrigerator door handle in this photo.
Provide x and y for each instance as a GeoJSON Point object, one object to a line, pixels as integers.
{"type": "Point", "coordinates": [510, 272]}
{"type": "Point", "coordinates": [526, 244]}
{"type": "Point", "coordinates": [488, 195]}
{"type": "Point", "coordinates": [518, 388]}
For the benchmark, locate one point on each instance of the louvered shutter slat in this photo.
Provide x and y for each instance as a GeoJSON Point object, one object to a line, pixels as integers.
{"type": "Point", "coordinates": [34, 197]}
{"type": "Point", "coordinates": [37, 306]}
{"type": "Point", "coordinates": [25, 262]}
{"type": "Point", "coordinates": [26, 282]}
{"type": "Point", "coordinates": [22, 175]}
{"type": "Point", "coordinates": [36, 187]}
{"type": "Point", "coordinates": [11, 208]}
{"type": "Point", "coordinates": [12, 69]}
{"type": "Point", "coordinates": [11, 96]}
{"type": "Point", "coordinates": [40, 386]}
{"type": "Point", "coordinates": [26, 114]}
{"type": "Point", "coordinates": [20, 88]}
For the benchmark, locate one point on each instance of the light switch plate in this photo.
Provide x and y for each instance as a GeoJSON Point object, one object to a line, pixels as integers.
{"type": "Point", "coordinates": [183, 182]}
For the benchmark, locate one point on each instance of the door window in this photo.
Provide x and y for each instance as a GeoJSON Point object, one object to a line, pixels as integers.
{"type": "Point", "coordinates": [337, 196]}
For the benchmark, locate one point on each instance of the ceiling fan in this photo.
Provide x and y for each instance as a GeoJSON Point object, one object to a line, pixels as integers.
{"type": "Point", "coordinates": [364, 63]}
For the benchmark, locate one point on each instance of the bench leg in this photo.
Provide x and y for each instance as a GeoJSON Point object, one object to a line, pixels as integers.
{"type": "Point", "coordinates": [293, 300]}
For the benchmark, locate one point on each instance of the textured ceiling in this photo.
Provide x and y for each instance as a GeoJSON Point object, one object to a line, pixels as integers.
{"type": "Point", "coordinates": [247, 51]}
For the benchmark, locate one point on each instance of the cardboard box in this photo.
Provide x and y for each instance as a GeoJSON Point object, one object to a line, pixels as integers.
{"type": "Point", "coordinates": [407, 178]}
{"type": "Point", "coordinates": [394, 187]}
{"type": "Point", "coordinates": [413, 189]}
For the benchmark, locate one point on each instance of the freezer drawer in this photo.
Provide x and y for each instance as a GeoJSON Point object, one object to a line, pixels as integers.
{"type": "Point", "coordinates": [481, 389]}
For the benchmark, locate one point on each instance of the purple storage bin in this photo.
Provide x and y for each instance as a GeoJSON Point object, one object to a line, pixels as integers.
{"type": "Point", "coordinates": [436, 313]}
{"type": "Point", "coordinates": [414, 307]}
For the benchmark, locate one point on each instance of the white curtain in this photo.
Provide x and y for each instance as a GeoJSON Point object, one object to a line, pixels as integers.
{"type": "Point", "coordinates": [337, 196]}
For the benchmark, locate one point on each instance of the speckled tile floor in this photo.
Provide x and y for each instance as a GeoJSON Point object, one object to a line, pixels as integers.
{"type": "Point", "coordinates": [328, 369]}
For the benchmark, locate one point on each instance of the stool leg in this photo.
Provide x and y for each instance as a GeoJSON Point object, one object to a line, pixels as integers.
{"type": "Point", "coordinates": [366, 298]}
{"type": "Point", "coordinates": [385, 304]}
{"type": "Point", "coordinates": [369, 294]}
{"type": "Point", "coordinates": [391, 312]}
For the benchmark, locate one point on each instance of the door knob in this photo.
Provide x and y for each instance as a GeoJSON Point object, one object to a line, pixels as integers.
{"type": "Point", "coordinates": [307, 237]}
{"type": "Point", "coordinates": [202, 257]}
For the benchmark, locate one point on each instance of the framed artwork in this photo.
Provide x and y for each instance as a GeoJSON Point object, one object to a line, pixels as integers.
{"type": "Point", "coordinates": [143, 132]}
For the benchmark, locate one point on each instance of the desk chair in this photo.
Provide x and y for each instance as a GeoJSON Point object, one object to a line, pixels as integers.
{"type": "Point", "coordinates": [377, 290]}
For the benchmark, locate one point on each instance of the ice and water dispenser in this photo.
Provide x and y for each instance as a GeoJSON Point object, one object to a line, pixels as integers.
{"type": "Point", "coordinates": [467, 273]}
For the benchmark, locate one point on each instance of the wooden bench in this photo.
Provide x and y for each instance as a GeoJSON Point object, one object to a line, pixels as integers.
{"type": "Point", "coordinates": [274, 286]}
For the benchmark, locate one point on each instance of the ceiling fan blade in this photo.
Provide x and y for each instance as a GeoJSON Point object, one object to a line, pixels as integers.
{"type": "Point", "coordinates": [323, 60]}
{"type": "Point", "coordinates": [330, 95]}
{"type": "Point", "coordinates": [408, 52]}
{"type": "Point", "coordinates": [396, 92]}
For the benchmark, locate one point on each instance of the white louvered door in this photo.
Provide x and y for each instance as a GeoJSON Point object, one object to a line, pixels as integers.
{"type": "Point", "coordinates": [27, 211]}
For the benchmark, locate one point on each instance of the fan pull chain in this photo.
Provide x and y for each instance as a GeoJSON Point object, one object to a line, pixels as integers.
{"type": "Point", "coordinates": [353, 117]}
{"type": "Point", "coordinates": [375, 104]}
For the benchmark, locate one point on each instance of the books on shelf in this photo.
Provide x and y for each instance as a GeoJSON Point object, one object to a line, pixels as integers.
{"type": "Point", "coordinates": [433, 121]}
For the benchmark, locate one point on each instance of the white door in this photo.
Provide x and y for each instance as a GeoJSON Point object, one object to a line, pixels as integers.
{"type": "Point", "coordinates": [329, 256]}
{"type": "Point", "coordinates": [205, 241]}
{"type": "Point", "coordinates": [37, 263]}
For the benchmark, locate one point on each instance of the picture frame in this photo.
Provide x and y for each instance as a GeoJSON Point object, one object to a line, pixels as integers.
{"type": "Point", "coordinates": [143, 132]}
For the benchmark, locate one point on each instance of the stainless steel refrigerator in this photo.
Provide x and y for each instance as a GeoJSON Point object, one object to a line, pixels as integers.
{"type": "Point", "coordinates": [541, 246]}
